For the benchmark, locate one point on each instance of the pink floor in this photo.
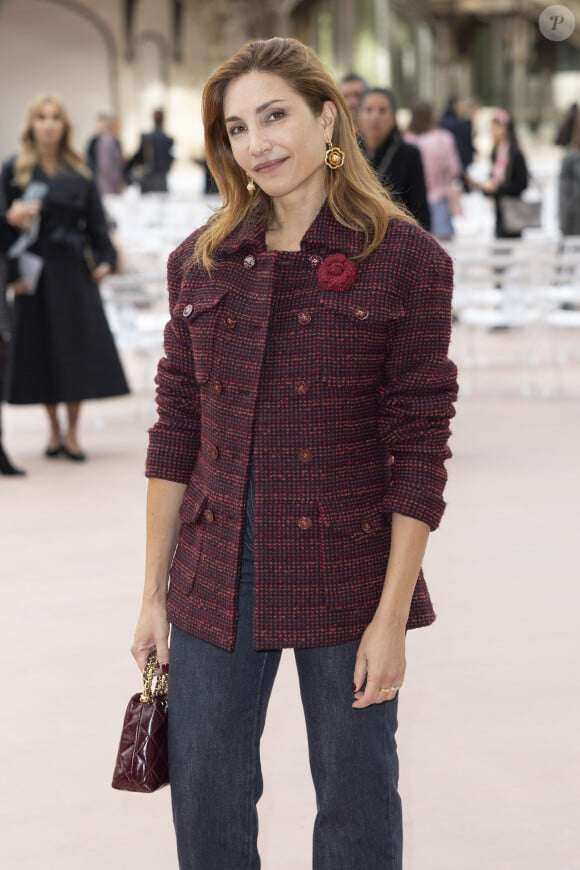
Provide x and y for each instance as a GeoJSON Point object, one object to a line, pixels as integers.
{"type": "Point", "coordinates": [490, 712]}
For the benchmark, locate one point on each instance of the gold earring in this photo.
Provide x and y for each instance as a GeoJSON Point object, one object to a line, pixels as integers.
{"type": "Point", "coordinates": [250, 186]}
{"type": "Point", "coordinates": [334, 157]}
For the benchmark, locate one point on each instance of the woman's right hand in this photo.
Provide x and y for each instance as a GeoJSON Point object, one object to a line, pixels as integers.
{"type": "Point", "coordinates": [21, 214]}
{"type": "Point", "coordinates": [152, 631]}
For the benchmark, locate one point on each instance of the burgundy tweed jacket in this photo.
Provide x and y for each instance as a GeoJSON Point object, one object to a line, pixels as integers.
{"type": "Point", "coordinates": [344, 398]}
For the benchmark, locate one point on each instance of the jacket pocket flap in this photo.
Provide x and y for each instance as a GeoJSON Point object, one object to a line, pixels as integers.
{"type": "Point", "coordinates": [373, 306]}
{"type": "Point", "coordinates": [353, 517]}
{"type": "Point", "coordinates": [193, 504]}
{"type": "Point", "coordinates": [193, 303]}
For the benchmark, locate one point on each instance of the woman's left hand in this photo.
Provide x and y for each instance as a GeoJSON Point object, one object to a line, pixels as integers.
{"type": "Point", "coordinates": [381, 661]}
{"type": "Point", "coordinates": [102, 270]}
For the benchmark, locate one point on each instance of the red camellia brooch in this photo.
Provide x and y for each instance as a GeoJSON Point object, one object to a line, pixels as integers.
{"type": "Point", "coordinates": [337, 272]}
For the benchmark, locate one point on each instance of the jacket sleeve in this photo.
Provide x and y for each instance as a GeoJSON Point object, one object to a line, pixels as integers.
{"type": "Point", "coordinates": [175, 438]}
{"type": "Point", "coordinates": [454, 167]}
{"type": "Point", "coordinates": [97, 228]}
{"type": "Point", "coordinates": [417, 191]}
{"type": "Point", "coordinates": [517, 179]}
{"type": "Point", "coordinates": [418, 388]}
{"type": "Point", "coordinates": [137, 159]}
{"type": "Point", "coordinates": [8, 234]}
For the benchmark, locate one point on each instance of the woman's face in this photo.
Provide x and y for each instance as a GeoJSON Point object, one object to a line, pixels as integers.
{"type": "Point", "coordinates": [376, 120]}
{"type": "Point", "coordinates": [498, 132]}
{"type": "Point", "coordinates": [48, 126]}
{"type": "Point", "coordinates": [274, 136]}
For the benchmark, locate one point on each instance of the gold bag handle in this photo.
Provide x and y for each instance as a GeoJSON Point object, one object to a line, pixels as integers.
{"type": "Point", "coordinates": [154, 684]}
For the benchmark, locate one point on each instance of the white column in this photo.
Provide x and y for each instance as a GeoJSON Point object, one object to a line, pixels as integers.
{"type": "Point", "coordinates": [383, 71]}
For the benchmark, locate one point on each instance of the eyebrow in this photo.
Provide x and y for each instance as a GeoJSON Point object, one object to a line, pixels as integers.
{"type": "Point", "coordinates": [258, 110]}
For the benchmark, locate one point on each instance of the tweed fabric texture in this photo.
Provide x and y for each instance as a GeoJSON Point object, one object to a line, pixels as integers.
{"type": "Point", "coordinates": [342, 398]}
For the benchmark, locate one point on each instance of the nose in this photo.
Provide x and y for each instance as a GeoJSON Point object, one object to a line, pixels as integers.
{"type": "Point", "coordinates": [258, 142]}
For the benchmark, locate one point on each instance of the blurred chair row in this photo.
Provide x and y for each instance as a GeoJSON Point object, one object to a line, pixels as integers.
{"type": "Point", "coordinates": [516, 302]}
{"type": "Point", "coordinates": [529, 289]}
{"type": "Point", "coordinates": [147, 229]}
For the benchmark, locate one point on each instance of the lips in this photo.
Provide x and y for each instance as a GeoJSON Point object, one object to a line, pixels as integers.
{"type": "Point", "coordinates": [269, 165]}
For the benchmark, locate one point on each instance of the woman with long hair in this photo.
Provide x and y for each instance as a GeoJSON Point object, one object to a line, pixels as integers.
{"type": "Point", "coordinates": [441, 164]}
{"type": "Point", "coordinates": [296, 466]}
{"type": "Point", "coordinates": [509, 172]}
{"type": "Point", "coordinates": [62, 349]}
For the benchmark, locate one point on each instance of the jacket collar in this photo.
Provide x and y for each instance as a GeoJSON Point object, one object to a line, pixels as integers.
{"type": "Point", "coordinates": [324, 235]}
{"type": "Point", "coordinates": [377, 156]}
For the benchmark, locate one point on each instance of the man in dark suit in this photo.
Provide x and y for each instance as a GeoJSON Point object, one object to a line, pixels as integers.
{"type": "Point", "coordinates": [397, 163]}
{"type": "Point", "coordinates": [155, 155]}
{"type": "Point", "coordinates": [353, 87]}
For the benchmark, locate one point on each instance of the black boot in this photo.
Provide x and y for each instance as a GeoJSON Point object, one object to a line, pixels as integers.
{"type": "Point", "coordinates": [6, 466]}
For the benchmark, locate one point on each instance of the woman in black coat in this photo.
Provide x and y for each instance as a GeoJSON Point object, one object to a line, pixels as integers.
{"type": "Point", "coordinates": [509, 172]}
{"type": "Point", "coordinates": [62, 347]}
{"type": "Point", "coordinates": [397, 163]}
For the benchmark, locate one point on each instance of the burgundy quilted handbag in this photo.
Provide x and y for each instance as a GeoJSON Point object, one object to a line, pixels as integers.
{"type": "Point", "coordinates": [142, 757]}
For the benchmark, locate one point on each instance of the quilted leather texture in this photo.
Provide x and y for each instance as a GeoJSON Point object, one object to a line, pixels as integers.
{"type": "Point", "coordinates": [142, 757]}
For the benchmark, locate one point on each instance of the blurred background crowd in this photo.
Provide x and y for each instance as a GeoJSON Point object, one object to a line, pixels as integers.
{"type": "Point", "coordinates": [467, 111]}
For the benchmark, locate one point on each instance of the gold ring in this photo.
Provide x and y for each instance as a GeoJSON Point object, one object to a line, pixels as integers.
{"type": "Point", "coordinates": [390, 689]}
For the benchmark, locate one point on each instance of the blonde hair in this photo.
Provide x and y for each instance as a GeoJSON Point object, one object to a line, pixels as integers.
{"type": "Point", "coordinates": [355, 196]}
{"type": "Point", "coordinates": [27, 157]}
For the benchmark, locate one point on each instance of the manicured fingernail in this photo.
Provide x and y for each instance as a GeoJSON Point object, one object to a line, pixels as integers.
{"type": "Point", "coordinates": [165, 668]}
{"type": "Point", "coordinates": [354, 687]}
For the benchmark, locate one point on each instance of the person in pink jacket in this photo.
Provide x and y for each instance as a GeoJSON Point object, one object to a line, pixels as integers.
{"type": "Point", "coordinates": [441, 165]}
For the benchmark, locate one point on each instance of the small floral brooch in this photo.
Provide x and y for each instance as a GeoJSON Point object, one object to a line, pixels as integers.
{"type": "Point", "coordinates": [337, 272]}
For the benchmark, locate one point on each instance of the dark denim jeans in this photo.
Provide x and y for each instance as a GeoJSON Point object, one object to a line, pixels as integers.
{"type": "Point", "coordinates": [217, 710]}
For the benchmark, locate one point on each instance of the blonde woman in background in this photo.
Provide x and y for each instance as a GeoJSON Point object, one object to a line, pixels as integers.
{"type": "Point", "coordinates": [62, 348]}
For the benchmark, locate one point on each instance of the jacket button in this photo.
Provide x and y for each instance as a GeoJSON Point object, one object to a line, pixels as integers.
{"type": "Point", "coordinates": [305, 454]}
{"type": "Point", "coordinates": [305, 522]}
{"type": "Point", "coordinates": [230, 322]}
{"type": "Point", "coordinates": [301, 387]}
{"type": "Point", "coordinates": [304, 317]}
{"type": "Point", "coordinates": [249, 261]}
{"type": "Point", "coordinates": [315, 261]}
{"type": "Point", "coordinates": [361, 313]}
{"type": "Point", "coordinates": [218, 388]}
{"type": "Point", "coordinates": [214, 452]}
{"type": "Point", "coordinates": [208, 515]}
{"type": "Point", "coordinates": [187, 310]}
{"type": "Point", "coordinates": [367, 527]}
